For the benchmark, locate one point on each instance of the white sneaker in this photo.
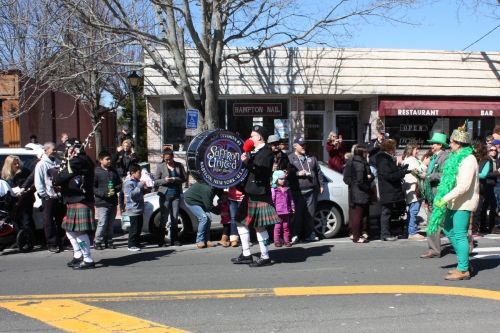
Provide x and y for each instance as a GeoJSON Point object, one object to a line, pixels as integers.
{"type": "Point", "coordinates": [295, 239]}
{"type": "Point", "coordinates": [134, 248]}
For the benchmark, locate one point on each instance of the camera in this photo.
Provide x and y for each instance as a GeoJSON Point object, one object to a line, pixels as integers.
{"type": "Point", "coordinates": [308, 174]}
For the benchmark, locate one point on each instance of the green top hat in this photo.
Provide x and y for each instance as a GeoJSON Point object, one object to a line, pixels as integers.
{"type": "Point", "coordinates": [439, 138]}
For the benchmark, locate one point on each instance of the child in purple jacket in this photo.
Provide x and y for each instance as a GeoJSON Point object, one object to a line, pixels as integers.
{"type": "Point", "coordinates": [282, 199]}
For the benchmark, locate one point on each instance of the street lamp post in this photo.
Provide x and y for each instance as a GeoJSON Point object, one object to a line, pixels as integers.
{"type": "Point", "coordinates": [133, 79]}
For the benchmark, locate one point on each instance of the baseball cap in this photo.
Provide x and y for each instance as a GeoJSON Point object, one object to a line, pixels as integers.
{"type": "Point", "coordinates": [299, 140]}
{"type": "Point", "coordinates": [495, 142]}
{"type": "Point", "coordinates": [126, 128]}
{"type": "Point", "coordinates": [381, 132]}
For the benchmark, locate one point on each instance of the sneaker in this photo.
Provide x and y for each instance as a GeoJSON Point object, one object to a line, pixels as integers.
{"type": "Point", "coordinates": [242, 259]}
{"type": "Point", "coordinates": [84, 265]}
{"type": "Point", "coordinates": [98, 246]}
{"type": "Point", "coordinates": [134, 248]}
{"type": "Point", "coordinates": [416, 237]}
{"type": "Point", "coordinates": [295, 239]}
{"type": "Point", "coordinates": [111, 246]}
{"type": "Point", "coordinates": [54, 249]}
{"type": "Point", "coordinates": [75, 262]}
{"type": "Point", "coordinates": [312, 238]}
{"type": "Point", "coordinates": [261, 263]}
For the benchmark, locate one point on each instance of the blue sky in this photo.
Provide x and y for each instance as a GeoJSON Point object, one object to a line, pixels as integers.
{"type": "Point", "coordinates": [443, 27]}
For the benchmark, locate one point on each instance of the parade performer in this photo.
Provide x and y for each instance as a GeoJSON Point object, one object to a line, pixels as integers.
{"type": "Point", "coordinates": [257, 207]}
{"type": "Point", "coordinates": [76, 179]}
{"type": "Point", "coordinates": [457, 196]}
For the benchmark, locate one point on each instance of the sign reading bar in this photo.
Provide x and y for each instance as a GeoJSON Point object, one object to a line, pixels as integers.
{"type": "Point", "coordinates": [439, 108]}
{"type": "Point", "coordinates": [257, 109]}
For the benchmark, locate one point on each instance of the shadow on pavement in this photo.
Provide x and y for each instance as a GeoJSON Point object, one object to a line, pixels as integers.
{"type": "Point", "coordinates": [134, 257]}
{"type": "Point", "coordinates": [298, 254]}
{"type": "Point", "coordinates": [478, 265]}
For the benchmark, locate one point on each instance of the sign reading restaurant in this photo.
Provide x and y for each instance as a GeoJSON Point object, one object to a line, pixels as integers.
{"type": "Point", "coordinates": [257, 109]}
{"type": "Point", "coordinates": [417, 108]}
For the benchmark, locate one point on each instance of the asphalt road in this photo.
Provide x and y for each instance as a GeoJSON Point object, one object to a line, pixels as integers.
{"type": "Point", "coordinates": [199, 290]}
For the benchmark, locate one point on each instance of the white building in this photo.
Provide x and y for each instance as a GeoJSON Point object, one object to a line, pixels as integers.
{"type": "Point", "coordinates": [313, 91]}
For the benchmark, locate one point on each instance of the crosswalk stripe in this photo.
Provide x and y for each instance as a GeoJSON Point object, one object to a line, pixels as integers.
{"type": "Point", "coordinates": [487, 256]}
{"type": "Point", "coordinates": [486, 249]}
{"type": "Point", "coordinates": [74, 316]}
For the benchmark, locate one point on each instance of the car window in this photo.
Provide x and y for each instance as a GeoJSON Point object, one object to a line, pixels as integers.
{"type": "Point", "coordinates": [28, 160]}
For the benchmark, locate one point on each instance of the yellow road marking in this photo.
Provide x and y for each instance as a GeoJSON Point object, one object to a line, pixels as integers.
{"type": "Point", "coordinates": [265, 292]}
{"type": "Point", "coordinates": [74, 316]}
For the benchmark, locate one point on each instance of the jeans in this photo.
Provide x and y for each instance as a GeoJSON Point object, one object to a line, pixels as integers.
{"type": "Point", "coordinates": [204, 223]}
{"type": "Point", "coordinates": [53, 214]}
{"type": "Point", "coordinates": [136, 222]}
{"type": "Point", "coordinates": [282, 225]}
{"type": "Point", "coordinates": [411, 220]}
{"type": "Point", "coordinates": [169, 205]}
{"type": "Point", "coordinates": [233, 208]}
{"type": "Point", "coordinates": [105, 221]}
{"type": "Point", "coordinates": [456, 224]}
{"type": "Point", "coordinates": [305, 208]}
{"type": "Point", "coordinates": [487, 202]}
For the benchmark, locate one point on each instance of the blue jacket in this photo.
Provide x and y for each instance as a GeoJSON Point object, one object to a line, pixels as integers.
{"type": "Point", "coordinates": [134, 196]}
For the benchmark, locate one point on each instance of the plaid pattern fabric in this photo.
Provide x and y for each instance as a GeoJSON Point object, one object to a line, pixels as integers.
{"type": "Point", "coordinates": [256, 212]}
{"type": "Point", "coordinates": [79, 217]}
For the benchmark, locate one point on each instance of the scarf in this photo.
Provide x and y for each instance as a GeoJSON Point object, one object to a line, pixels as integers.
{"type": "Point", "coordinates": [447, 183]}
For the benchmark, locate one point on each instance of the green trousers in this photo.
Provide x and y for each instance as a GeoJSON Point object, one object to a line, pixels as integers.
{"type": "Point", "coordinates": [456, 224]}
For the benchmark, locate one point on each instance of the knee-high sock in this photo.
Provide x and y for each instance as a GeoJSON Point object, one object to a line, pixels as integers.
{"type": "Point", "coordinates": [84, 242]}
{"type": "Point", "coordinates": [77, 253]}
{"type": "Point", "coordinates": [263, 238]}
{"type": "Point", "coordinates": [245, 239]}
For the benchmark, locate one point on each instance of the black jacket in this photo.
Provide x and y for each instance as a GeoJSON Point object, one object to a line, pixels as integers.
{"type": "Point", "coordinates": [373, 149]}
{"type": "Point", "coordinates": [101, 181]}
{"type": "Point", "coordinates": [80, 165]}
{"type": "Point", "coordinates": [389, 179]}
{"type": "Point", "coordinates": [356, 177]}
{"type": "Point", "coordinates": [260, 164]}
{"type": "Point", "coordinates": [282, 160]}
{"type": "Point", "coordinates": [122, 160]}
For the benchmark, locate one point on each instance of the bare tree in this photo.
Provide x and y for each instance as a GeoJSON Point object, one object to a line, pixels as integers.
{"type": "Point", "coordinates": [52, 50]}
{"type": "Point", "coordinates": [168, 30]}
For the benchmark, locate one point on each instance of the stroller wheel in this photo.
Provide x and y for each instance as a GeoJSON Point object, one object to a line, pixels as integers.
{"type": "Point", "coordinates": [25, 240]}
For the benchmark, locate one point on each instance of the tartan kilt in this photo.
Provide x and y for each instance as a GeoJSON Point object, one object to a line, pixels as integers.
{"type": "Point", "coordinates": [79, 217]}
{"type": "Point", "coordinates": [257, 213]}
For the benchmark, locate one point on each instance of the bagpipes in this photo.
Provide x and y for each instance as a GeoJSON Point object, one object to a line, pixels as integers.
{"type": "Point", "coordinates": [74, 148]}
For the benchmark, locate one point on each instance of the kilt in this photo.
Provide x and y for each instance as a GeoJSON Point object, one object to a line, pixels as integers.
{"type": "Point", "coordinates": [79, 217]}
{"type": "Point", "coordinates": [258, 213]}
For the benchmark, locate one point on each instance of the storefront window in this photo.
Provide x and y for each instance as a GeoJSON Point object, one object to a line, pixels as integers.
{"type": "Point", "coordinates": [314, 105]}
{"type": "Point", "coordinates": [418, 130]}
{"type": "Point", "coordinates": [346, 105]}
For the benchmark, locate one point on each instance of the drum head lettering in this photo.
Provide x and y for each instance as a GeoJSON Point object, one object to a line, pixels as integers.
{"type": "Point", "coordinates": [214, 158]}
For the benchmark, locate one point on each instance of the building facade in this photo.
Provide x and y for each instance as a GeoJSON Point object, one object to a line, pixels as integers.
{"type": "Point", "coordinates": [355, 92]}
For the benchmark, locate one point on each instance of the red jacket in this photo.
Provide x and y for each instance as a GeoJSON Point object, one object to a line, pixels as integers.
{"type": "Point", "coordinates": [336, 159]}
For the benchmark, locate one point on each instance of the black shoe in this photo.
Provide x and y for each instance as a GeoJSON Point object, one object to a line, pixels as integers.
{"type": "Point", "coordinates": [242, 259]}
{"type": "Point", "coordinates": [111, 246]}
{"type": "Point", "coordinates": [54, 249]}
{"type": "Point", "coordinates": [75, 262]}
{"type": "Point", "coordinates": [177, 243]}
{"type": "Point", "coordinates": [261, 262]}
{"type": "Point", "coordinates": [98, 246]}
{"type": "Point", "coordinates": [84, 265]}
{"type": "Point", "coordinates": [390, 239]}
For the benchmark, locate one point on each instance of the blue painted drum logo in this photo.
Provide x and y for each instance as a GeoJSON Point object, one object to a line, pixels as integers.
{"type": "Point", "coordinates": [217, 161]}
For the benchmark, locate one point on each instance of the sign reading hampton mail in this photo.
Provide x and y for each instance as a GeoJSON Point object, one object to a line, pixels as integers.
{"type": "Point", "coordinates": [257, 109]}
{"type": "Point", "coordinates": [214, 158]}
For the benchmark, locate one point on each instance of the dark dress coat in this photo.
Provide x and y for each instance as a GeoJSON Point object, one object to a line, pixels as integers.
{"type": "Point", "coordinates": [356, 177]}
{"type": "Point", "coordinates": [389, 179]}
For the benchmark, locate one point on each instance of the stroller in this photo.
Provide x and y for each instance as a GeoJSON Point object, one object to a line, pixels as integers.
{"type": "Point", "coordinates": [10, 234]}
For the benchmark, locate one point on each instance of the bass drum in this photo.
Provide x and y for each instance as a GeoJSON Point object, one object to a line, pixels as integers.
{"type": "Point", "coordinates": [214, 158]}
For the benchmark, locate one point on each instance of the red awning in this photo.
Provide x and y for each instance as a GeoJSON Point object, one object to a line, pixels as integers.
{"type": "Point", "coordinates": [439, 108]}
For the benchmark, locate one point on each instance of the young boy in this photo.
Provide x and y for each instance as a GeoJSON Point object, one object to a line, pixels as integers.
{"type": "Point", "coordinates": [134, 201]}
{"type": "Point", "coordinates": [107, 185]}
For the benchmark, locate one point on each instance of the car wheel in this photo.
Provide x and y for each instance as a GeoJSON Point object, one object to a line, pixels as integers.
{"type": "Point", "coordinates": [25, 240]}
{"type": "Point", "coordinates": [327, 220]}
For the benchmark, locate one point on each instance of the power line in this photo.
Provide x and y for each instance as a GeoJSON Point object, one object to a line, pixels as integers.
{"type": "Point", "coordinates": [482, 37]}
